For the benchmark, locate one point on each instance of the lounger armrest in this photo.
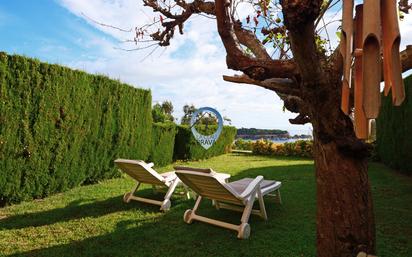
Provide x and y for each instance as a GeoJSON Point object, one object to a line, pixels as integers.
{"type": "Point", "coordinates": [150, 164]}
{"type": "Point", "coordinates": [252, 187]}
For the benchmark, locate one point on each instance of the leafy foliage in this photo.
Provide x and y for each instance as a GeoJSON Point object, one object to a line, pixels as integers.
{"type": "Point", "coordinates": [187, 148]}
{"type": "Point", "coordinates": [163, 142]}
{"type": "Point", "coordinates": [241, 144]}
{"type": "Point", "coordinates": [300, 148]}
{"type": "Point", "coordinates": [188, 110]}
{"type": "Point", "coordinates": [60, 128]}
{"type": "Point", "coordinates": [394, 126]}
{"type": "Point", "coordinates": [163, 112]}
{"type": "Point", "coordinates": [254, 131]}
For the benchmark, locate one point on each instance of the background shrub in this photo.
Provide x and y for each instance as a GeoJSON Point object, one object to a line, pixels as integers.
{"type": "Point", "coordinates": [300, 148]}
{"type": "Point", "coordinates": [163, 142]}
{"type": "Point", "coordinates": [187, 148]}
{"type": "Point", "coordinates": [241, 144]}
{"type": "Point", "coordinates": [394, 130]}
{"type": "Point", "coordinates": [60, 128]}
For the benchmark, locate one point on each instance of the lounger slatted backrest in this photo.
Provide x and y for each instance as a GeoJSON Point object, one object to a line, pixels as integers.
{"type": "Point", "coordinates": [208, 185]}
{"type": "Point", "coordinates": [140, 171]}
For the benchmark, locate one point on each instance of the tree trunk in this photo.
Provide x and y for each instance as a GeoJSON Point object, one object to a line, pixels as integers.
{"type": "Point", "coordinates": [345, 221]}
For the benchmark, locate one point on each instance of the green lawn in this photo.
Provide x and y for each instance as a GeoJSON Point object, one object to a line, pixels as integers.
{"type": "Point", "coordinates": [93, 220]}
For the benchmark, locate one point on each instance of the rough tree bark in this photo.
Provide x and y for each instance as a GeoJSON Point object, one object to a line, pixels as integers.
{"type": "Point", "coordinates": [310, 85]}
{"type": "Point", "coordinates": [345, 221]}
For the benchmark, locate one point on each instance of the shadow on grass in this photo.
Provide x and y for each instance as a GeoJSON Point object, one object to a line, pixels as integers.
{"type": "Point", "coordinates": [76, 210]}
{"type": "Point", "coordinates": [290, 230]}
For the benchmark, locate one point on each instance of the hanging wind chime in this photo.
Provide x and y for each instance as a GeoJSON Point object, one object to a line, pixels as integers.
{"type": "Point", "coordinates": [375, 23]}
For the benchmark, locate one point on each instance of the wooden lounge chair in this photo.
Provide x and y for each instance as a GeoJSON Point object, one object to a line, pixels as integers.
{"type": "Point", "coordinates": [142, 172]}
{"type": "Point", "coordinates": [239, 196]}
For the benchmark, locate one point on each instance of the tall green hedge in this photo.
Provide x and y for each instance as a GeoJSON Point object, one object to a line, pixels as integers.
{"type": "Point", "coordinates": [187, 148]}
{"type": "Point", "coordinates": [60, 128]}
{"type": "Point", "coordinates": [163, 142]}
{"type": "Point", "coordinates": [394, 132]}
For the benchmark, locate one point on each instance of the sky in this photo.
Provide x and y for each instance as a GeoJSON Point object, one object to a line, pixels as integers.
{"type": "Point", "coordinates": [189, 71]}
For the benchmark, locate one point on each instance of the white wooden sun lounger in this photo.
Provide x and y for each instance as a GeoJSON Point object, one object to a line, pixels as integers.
{"type": "Point", "coordinates": [143, 173]}
{"type": "Point", "coordinates": [239, 196]}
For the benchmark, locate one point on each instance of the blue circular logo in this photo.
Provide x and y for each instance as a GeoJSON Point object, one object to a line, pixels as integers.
{"type": "Point", "coordinates": [206, 141]}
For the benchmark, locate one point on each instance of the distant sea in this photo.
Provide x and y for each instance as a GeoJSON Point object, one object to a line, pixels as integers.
{"type": "Point", "coordinates": [281, 141]}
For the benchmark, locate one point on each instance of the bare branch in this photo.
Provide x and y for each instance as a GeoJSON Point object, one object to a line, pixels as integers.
{"type": "Point", "coordinates": [250, 40]}
{"type": "Point", "coordinates": [236, 59]}
{"type": "Point", "coordinates": [105, 25]}
{"type": "Point", "coordinates": [279, 85]}
{"type": "Point", "coordinates": [299, 20]}
{"type": "Point", "coordinates": [325, 8]}
{"type": "Point", "coordinates": [336, 61]}
{"type": "Point", "coordinates": [198, 6]}
{"type": "Point", "coordinates": [406, 58]}
{"type": "Point", "coordinates": [176, 20]}
{"type": "Point", "coordinates": [301, 119]}
{"type": "Point", "coordinates": [135, 49]}
{"type": "Point", "coordinates": [404, 6]}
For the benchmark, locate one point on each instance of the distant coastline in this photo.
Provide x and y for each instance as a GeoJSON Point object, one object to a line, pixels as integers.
{"type": "Point", "coordinates": [269, 134]}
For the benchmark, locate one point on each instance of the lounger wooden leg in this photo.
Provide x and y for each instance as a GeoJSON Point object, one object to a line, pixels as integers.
{"type": "Point", "coordinates": [128, 196]}
{"type": "Point", "coordinates": [187, 191]}
{"type": "Point", "coordinates": [154, 188]}
{"type": "Point", "coordinates": [247, 211]}
{"type": "Point", "coordinates": [244, 227]}
{"type": "Point", "coordinates": [197, 204]}
{"type": "Point", "coordinates": [262, 208]}
{"type": "Point", "coordinates": [166, 203]}
{"type": "Point", "coordinates": [189, 214]}
{"type": "Point", "coordinates": [278, 197]}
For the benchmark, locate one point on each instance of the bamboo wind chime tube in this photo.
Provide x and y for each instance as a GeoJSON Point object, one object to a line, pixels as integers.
{"type": "Point", "coordinates": [391, 38]}
{"type": "Point", "coordinates": [371, 58]}
{"type": "Point", "coordinates": [361, 122]}
{"type": "Point", "coordinates": [346, 52]}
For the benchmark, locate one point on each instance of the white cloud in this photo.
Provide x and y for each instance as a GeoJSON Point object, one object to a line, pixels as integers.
{"type": "Point", "coordinates": [191, 69]}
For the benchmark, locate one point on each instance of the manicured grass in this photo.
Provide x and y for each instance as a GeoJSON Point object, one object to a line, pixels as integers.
{"type": "Point", "coordinates": [93, 220]}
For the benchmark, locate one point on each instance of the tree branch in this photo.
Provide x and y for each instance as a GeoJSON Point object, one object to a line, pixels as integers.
{"type": "Point", "coordinates": [279, 85]}
{"type": "Point", "coordinates": [336, 61]}
{"type": "Point", "coordinates": [406, 58]}
{"type": "Point", "coordinates": [299, 20]}
{"type": "Point", "coordinates": [301, 119]}
{"type": "Point", "coordinates": [404, 6]}
{"type": "Point", "coordinates": [250, 40]}
{"type": "Point", "coordinates": [198, 6]}
{"type": "Point", "coordinates": [177, 20]}
{"type": "Point", "coordinates": [236, 59]}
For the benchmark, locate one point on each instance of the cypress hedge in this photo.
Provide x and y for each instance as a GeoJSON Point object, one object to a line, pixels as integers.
{"type": "Point", "coordinates": [394, 130]}
{"type": "Point", "coordinates": [187, 148]}
{"type": "Point", "coordinates": [60, 128]}
{"type": "Point", "coordinates": [163, 142]}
